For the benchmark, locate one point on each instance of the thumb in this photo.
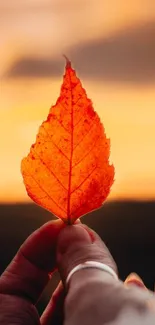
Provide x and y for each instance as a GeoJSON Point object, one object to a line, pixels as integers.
{"type": "Point", "coordinates": [78, 244]}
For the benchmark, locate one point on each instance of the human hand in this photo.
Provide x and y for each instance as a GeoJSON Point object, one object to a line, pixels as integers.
{"type": "Point", "coordinates": [25, 278]}
{"type": "Point", "coordinates": [91, 293]}
{"type": "Point", "coordinates": [23, 281]}
{"type": "Point", "coordinates": [95, 296]}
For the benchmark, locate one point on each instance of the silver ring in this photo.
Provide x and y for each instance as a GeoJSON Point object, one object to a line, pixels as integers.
{"type": "Point", "coordinates": [91, 264]}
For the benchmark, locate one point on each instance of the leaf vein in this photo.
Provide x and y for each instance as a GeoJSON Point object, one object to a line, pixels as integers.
{"type": "Point", "coordinates": [78, 122]}
{"type": "Point", "coordinates": [87, 153]}
{"type": "Point", "coordinates": [84, 180]}
{"type": "Point", "coordinates": [71, 155]}
{"type": "Point", "coordinates": [50, 170]}
{"type": "Point", "coordinates": [39, 185]}
{"type": "Point", "coordinates": [84, 136]}
{"type": "Point", "coordinates": [62, 124]}
{"type": "Point", "coordinates": [63, 154]}
{"type": "Point", "coordinates": [82, 115]}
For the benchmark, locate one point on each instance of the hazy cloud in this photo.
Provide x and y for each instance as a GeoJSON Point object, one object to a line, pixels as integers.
{"type": "Point", "coordinates": [35, 68]}
{"type": "Point", "coordinates": [31, 6]}
{"type": "Point", "coordinates": [127, 56]}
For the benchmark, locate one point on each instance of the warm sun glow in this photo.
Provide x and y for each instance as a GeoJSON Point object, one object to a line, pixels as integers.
{"type": "Point", "coordinates": [124, 96]}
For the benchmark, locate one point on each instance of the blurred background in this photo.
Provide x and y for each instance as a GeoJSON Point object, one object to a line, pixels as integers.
{"type": "Point", "coordinates": [112, 47]}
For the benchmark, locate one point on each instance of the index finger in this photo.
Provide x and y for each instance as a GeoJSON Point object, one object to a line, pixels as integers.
{"type": "Point", "coordinates": [28, 273]}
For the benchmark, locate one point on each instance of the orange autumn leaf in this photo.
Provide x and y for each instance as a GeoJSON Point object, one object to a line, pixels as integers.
{"type": "Point", "coordinates": [67, 170]}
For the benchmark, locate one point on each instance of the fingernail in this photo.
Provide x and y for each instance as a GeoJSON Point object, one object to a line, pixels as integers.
{"type": "Point", "coordinates": [71, 236]}
{"type": "Point", "coordinates": [77, 222]}
{"type": "Point", "coordinates": [134, 279]}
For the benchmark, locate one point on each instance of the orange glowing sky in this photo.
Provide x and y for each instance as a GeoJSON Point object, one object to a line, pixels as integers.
{"type": "Point", "coordinates": [43, 30]}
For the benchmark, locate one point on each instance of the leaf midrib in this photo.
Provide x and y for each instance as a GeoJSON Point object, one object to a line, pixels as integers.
{"type": "Point", "coordinates": [71, 156]}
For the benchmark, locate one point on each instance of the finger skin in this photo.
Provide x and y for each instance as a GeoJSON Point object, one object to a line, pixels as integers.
{"type": "Point", "coordinates": [23, 281]}
{"type": "Point", "coordinates": [27, 274]}
{"type": "Point", "coordinates": [77, 244]}
{"type": "Point", "coordinates": [17, 311]}
{"type": "Point", "coordinates": [94, 296]}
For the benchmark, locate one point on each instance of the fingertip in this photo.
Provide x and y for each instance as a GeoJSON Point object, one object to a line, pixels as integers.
{"type": "Point", "coordinates": [77, 222]}
{"type": "Point", "coordinates": [40, 246]}
{"type": "Point", "coordinates": [134, 279]}
{"type": "Point", "coordinates": [91, 232]}
{"type": "Point", "coordinates": [71, 235]}
{"type": "Point", "coordinates": [54, 224]}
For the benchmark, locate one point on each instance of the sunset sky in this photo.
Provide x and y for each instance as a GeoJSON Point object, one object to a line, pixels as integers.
{"type": "Point", "coordinates": [112, 47]}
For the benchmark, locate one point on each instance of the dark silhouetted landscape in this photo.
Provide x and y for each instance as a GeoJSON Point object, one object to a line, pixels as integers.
{"type": "Point", "coordinates": [127, 227]}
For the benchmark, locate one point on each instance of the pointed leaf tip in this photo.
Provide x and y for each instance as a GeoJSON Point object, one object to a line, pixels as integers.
{"type": "Point", "coordinates": [68, 62]}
